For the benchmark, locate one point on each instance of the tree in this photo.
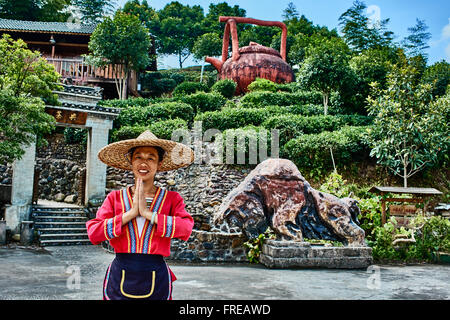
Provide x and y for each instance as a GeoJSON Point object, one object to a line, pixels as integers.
{"type": "Point", "coordinates": [409, 131]}
{"type": "Point", "coordinates": [93, 11]}
{"type": "Point", "coordinates": [418, 38]}
{"type": "Point", "coordinates": [35, 10]}
{"type": "Point", "coordinates": [359, 33]}
{"type": "Point", "coordinates": [290, 12]}
{"type": "Point", "coordinates": [438, 75]}
{"type": "Point", "coordinates": [211, 21]}
{"type": "Point", "coordinates": [177, 29]}
{"type": "Point", "coordinates": [26, 83]}
{"type": "Point", "coordinates": [209, 44]}
{"type": "Point", "coordinates": [326, 67]}
{"type": "Point", "coordinates": [122, 42]}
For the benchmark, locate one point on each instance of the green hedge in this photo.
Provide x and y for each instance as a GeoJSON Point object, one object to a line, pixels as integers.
{"type": "Point", "coordinates": [159, 111]}
{"type": "Point", "coordinates": [232, 118]}
{"type": "Point", "coordinates": [225, 87]}
{"type": "Point", "coordinates": [162, 129]}
{"type": "Point", "coordinates": [292, 126]}
{"type": "Point", "coordinates": [122, 104]}
{"type": "Point", "coordinates": [259, 99]}
{"type": "Point", "coordinates": [188, 87]}
{"type": "Point", "coordinates": [202, 101]}
{"type": "Point", "coordinates": [260, 84]}
{"type": "Point", "coordinates": [241, 138]}
{"type": "Point", "coordinates": [312, 151]}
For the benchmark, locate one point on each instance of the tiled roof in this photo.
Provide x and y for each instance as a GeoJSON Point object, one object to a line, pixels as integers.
{"type": "Point", "coordinates": [56, 27]}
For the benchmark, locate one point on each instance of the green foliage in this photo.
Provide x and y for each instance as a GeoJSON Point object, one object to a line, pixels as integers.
{"type": "Point", "coordinates": [122, 41]}
{"type": "Point", "coordinates": [417, 40]}
{"type": "Point", "coordinates": [188, 87]}
{"type": "Point", "coordinates": [145, 116]}
{"type": "Point", "coordinates": [264, 98]}
{"type": "Point", "coordinates": [162, 129]}
{"type": "Point", "coordinates": [438, 75]}
{"type": "Point", "coordinates": [26, 84]}
{"type": "Point", "coordinates": [176, 28]}
{"type": "Point", "coordinates": [292, 126]}
{"type": "Point", "coordinates": [254, 246]}
{"type": "Point", "coordinates": [75, 136]}
{"type": "Point", "coordinates": [93, 11]}
{"type": "Point", "coordinates": [409, 132]}
{"type": "Point", "coordinates": [122, 104]}
{"type": "Point", "coordinates": [312, 151]}
{"type": "Point", "coordinates": [250, 145]}
{"type": "Point", "coordinates": [260, 84]}
{"type": "Point", "coordinates": [226, 87]}
{"type": "Point", "coordinates": [431, 235]}
{"type": "Point", "coordinates": [155, 84]}
{"type": "Point", "coordinates": [359, 33]}
{"type": "Point", "coordinates": [325, 67]}
{"type": "Point", "coordinates": [233, 118]}
{"type": "Point", "coordinates": [208, 44]}
{"type": "Point", "coordinates": [35, 10]}
{"type": "Point", "coordinates": [202, 101]}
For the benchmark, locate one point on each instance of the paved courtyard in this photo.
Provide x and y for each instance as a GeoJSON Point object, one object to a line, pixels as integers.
{"type": "Point", "coordinates": [76, 273]}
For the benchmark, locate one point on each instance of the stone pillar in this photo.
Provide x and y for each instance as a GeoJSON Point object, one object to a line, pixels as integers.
{"type": "Point", "coordinates": [95, 169]}
{"type": "Point", "coordinates": [21, 190]}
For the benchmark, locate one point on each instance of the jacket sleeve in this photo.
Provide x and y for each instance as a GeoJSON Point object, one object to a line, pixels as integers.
{"type": "Point", "coordinates": [105, 225]}
{"type": "Point", "coordinates": [178, 224]}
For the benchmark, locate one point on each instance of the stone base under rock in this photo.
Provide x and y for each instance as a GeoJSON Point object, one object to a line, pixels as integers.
{"type": "Point", "coordinates": [291, 254]}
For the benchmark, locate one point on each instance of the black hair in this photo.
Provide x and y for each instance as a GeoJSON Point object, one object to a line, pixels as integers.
{"type": "Point", "coordinates": [160, 151]}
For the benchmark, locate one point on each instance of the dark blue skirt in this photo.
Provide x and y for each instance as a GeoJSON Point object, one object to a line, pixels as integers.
{"type": "Point", "coordinates": [133, 276]}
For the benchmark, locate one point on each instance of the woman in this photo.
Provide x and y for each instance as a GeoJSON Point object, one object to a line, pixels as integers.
{"type": "Point", "coordinates": [139, 221]}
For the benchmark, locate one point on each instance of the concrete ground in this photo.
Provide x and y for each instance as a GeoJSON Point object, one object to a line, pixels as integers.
{"type": "Point", "coordinates": [76, 273]}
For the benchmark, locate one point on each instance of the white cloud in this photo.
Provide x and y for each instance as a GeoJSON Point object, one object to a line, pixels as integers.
{"type": "Point", "coordinates": [446, 31]}
{"type": "Point", "coordinates": [447, 52]}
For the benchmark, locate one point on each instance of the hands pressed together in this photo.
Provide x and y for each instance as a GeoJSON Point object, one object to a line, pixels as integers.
{"type": "Point", "coordinates": [139, 207]}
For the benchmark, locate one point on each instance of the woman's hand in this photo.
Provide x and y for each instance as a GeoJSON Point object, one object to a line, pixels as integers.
{"type": "Point", "coordinates": [134, 211]}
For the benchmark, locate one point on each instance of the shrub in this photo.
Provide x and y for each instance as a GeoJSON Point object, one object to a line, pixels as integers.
{"type": "Point", "coordinates": [162, 129]}
{"type": "Point", "coordinates": [122, 104]}
{"type": "Point", "coordinates": [260, 84]}
{"type": "Point", "coordinates": [159, 111]}
{"type": "Point", "coordinates": [264, 98]}
{"type": "Point", "coordinates": [225, 87]}
{"type": "Point", "coordinates": [232, 118]}
{"type": "Point", "coordinates": [188, 87]}
{"type": "Point", "coordinates": [312, 151]}
{"type": "Point", "coordinates": [202, 101]}
{"type": "Point", "coordinates": [75, 136]}
{"type": "Point", "coordinates": [250, 145]}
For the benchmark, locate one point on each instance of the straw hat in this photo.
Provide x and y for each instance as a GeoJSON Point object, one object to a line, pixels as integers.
{"type": "Point", "coordinates": [177, 155]}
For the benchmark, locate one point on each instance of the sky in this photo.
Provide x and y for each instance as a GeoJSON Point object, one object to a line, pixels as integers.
{"type": "Point", "coordinates": [402, 14]}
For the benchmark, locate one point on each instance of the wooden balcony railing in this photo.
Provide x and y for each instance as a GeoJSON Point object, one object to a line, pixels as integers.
{"type": "Point", "coordinates": [79, 71]}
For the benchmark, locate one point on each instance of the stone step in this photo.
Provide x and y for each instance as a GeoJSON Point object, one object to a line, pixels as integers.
{"type": "Point", "coordinates": [57, 212]}
{"type": "Point", "coordinates": [61, 230]}
{"type": "Point", "coordinates": [39, 219]}
{"type": "Point", "coordinates": [60, 242]}
{"type": "Point", "coordinates": [63, 236]}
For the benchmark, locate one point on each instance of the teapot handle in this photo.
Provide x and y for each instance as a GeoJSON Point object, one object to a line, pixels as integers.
{"type": "Point", "coordinates": [231, 26]}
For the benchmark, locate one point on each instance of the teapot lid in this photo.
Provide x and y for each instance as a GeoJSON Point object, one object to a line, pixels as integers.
{"type": "Point", "coordinates": [254, 47]}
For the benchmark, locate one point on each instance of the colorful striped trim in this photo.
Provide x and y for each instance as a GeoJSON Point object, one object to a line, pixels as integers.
{"type": "Point", "coordinates": [105, 283]}
{"type": "Point", "coordinates": [168, 232]}
{"type": "Point", "coordinates": [110, 228]}
{"type": "Point", "coordinates": [170, 282]}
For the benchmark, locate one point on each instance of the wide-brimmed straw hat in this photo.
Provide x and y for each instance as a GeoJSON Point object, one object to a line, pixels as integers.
{"type": "Point", "coordinates": [177, 155]}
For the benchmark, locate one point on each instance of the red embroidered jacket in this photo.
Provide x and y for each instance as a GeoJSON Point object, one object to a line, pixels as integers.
{"type": "Point", "coordinates": [173, 222]}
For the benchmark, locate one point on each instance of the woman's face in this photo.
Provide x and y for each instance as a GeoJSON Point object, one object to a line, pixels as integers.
{"type": "Point", "coordinates": [145, 163]}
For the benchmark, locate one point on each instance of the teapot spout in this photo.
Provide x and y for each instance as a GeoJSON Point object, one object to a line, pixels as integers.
{"type": "Point", "coordinates": [215, 62]}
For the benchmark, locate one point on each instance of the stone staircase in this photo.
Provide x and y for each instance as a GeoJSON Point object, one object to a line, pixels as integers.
{"type": "Point", "coordinates": [60, 225]}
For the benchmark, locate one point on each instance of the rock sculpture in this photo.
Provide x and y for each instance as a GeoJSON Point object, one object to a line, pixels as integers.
{"type": "Point", "coordinates": [248, 63]}
{"type": "Point", "coordinates": [275, 194]}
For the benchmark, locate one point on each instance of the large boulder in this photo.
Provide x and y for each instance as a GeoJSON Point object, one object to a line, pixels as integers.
{"type": "Point", "coordinates": [275, 194]}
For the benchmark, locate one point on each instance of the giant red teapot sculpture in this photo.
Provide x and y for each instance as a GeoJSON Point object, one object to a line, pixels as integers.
{"type": "Point", "coordinates": [248, 63]}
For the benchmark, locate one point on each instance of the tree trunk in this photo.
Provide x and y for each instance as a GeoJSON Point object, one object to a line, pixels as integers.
{"type": "Point", "coordinates": [201, 73]}
{"type": "Point", "coordinates": [405, 176]}
{"type": "Point", "coordinates": [180, 61]}
{"type": "Point", "coordinates": [325, 102]}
